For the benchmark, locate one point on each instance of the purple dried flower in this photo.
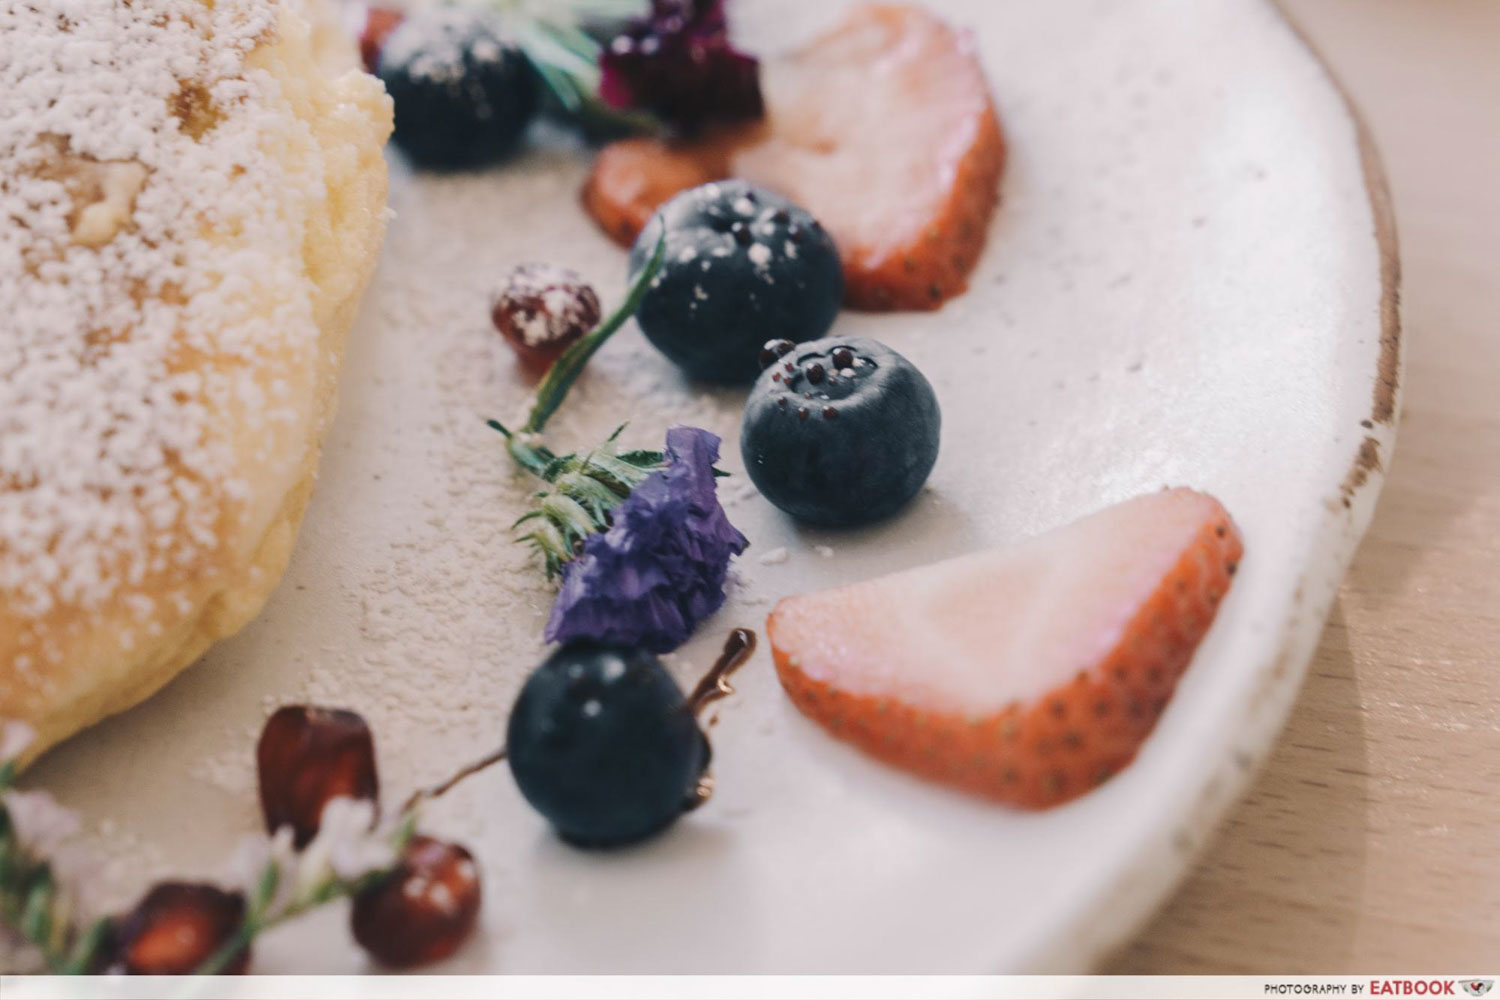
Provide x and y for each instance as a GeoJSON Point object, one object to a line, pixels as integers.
{"type": "Point", "coordinates": [678, 63]}
{"type": "Point", "coordinates": [639, 537]}
{"type": "Point", "coordinates": [660, 568]}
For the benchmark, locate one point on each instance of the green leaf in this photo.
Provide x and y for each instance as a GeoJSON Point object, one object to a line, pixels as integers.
{"type": "Point", "coordinates": [405, 831]}
{"type": "Point", "coordinates": [595, 496]}
{"type": "Point", "coordinates": [36, 915]}
{"type": "Point", "coordinates": [565, 49]}
{"type": "Point", "coordinates": [265, 891]}
{"type": "Point", "coordinates": [566, 57]}
{"type": "Point", "coordinates": [528, 455]}
{"type": "Point", "coordinates": [561, 87]}
{"type": "Point", "coordinates": [220, 959]}
{"type": "Point", "coordinates": [558, 466]}
{"type": "Point", "coordinates": [80, 960]}
{"type": "Point", "coordinates": [569, 515]}
{"type": "Point", "coordinates": [549, 539]}
{"type": "Point", "coordinates": [610, 11]}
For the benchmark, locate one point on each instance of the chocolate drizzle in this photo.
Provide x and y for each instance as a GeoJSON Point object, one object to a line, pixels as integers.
{"type": "Point", "coordinates": [715, 684]}
{"type": "Point", "coordinates": [715, 687]}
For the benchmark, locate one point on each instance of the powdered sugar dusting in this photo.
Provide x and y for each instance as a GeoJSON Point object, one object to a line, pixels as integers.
{"type": "Point", "coordinates": [441, 46]}
{"type": "Point", "coordinates": [130, 154]}
{"type": "Point", "coordinates": [128, 138]}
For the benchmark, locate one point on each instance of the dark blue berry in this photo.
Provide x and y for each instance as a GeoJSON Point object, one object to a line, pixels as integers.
{"type": "Point", "coordinates": [773, 351]}
{"type": "Point", "coordinates": [733, 278]}
{"type": "Point", "coordinates": [602, 743]}
{"type": "Point", "coordinates": [861, 450]}
{"type": "Point", "coordinates": [464, 93]}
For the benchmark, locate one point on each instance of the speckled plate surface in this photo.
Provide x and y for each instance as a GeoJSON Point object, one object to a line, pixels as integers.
{"type": "Point", "coordinates": [1191, 280]}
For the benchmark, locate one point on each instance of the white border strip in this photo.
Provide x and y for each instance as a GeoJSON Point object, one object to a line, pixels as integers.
{"type": "Point", "coordinates": [737, 987]}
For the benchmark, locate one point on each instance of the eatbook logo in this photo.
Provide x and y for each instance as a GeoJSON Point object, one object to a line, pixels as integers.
{"type": "Point", "coordinates": [1477, 987]}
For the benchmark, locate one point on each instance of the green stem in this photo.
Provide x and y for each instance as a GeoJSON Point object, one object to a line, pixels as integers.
{"type": "Point", "coordinates": [229, 950]}
{"type": "Point", "coordinates": [81, 959]}
{"type": "Point", "coordinates": [533, 458]}
{"type": "Point", "coordinates": [566, 369]}
{"type": "Point", "coordinates": [257, 920]}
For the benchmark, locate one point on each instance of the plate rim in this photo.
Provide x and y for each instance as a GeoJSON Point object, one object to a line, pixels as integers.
{"type": "Point", "coordinates": [1142, 880]}
{"type": "Point", "coordinates": [1144, 884]}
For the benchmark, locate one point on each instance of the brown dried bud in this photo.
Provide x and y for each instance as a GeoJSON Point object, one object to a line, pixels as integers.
{"type": "Point", "coordinates": [176, 928]}
{"type": "Point", "coordinates": [424, 910]}
{"type": "Point", "coordinates": [307, 756]}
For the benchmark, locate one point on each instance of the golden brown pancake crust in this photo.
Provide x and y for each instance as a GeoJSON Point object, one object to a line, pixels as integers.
{"type": "Point", "coordinates": [200, 195]}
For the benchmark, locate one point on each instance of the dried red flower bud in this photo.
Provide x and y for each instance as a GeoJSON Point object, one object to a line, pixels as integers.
{"type": "Point", "coordinates": [541, 310]}
{"type": "Point", "coordinates": [679, 63]}
{"type": "Point", "coordinates": [177, 927]}
{"type": "Point", "coordinates": [424, 910]}
{"type": "Point", "coordinates": [307, 756]}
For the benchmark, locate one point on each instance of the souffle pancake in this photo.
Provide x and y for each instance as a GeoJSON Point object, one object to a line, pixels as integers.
{"type": "Point", "coordinates": [193, 199]}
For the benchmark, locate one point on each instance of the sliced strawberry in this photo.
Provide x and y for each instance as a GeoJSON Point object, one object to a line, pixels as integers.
{"type": "Point", "coordinates": [1028, 674]}
{"type": "Point", "coordinates": [632, 177]}
{"type": "Point", "coordinates": [883, 128]}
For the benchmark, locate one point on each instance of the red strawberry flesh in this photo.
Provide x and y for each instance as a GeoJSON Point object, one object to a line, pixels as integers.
{"type": "Point", "coordinates": [1026, 674]}
{"type": "Point", "coordinates": [883, 128]}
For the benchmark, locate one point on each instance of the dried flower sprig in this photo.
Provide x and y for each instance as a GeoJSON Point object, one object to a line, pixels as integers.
{"type": "Point", "coordinates": [269, 882]}
{"type": "Point", "coordinates": [586, 489]}
{"type": "Point", "coordinates": [586, 486]}
{"type": "Point", "coordinates": [637, 65]}
{"type": "Point", "coordinates": [678, 63]}
{"type": "Point", "coordinates": [639, 537]}
{"type": "Point", "coordinates": [414, 899]}
{"type": "Point", "coordinates": [562, 41]}
{"type": "Point", "coordinates": [40, 923]}
{"type": "Point", "coordinates": [349, 855]}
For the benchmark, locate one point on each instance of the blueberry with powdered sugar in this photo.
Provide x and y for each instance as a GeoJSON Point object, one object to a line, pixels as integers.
{"type": "Point", "coordinates": [464, 92]}
{"type": "Point", "coordinates": [741, 266]}
{"type": "Point", "coordinates": [839, 432]}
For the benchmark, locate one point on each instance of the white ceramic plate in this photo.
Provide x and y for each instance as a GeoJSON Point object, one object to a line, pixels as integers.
{"type": "Point", "coordinates": [1183, 285]}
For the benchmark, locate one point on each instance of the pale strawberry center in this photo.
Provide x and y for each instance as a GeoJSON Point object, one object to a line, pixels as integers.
{"type": "Point", "coordinates": [892, 99]}
{"type": "Point", "coordinates": [974, 634]}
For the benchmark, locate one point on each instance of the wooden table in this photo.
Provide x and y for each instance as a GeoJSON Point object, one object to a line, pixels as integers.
{"type": "Point", "coordinates": [1371, 842]}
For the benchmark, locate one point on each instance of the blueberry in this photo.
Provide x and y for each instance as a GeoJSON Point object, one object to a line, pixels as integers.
{"type": "Point", "coordinates": [602, 743]}
{"type": "Point", "coordinates": [840, 431]}
{"type": "Point", "coordinates": [463, 91]}
{"type": "Point", "coordinates": [741, 265]}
